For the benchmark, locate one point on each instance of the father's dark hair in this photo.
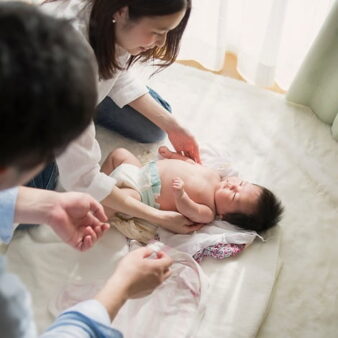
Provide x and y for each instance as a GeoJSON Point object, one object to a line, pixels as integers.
{"type": "Point", "coordinates": [268, 213]}
{"type": "Point", "coordinates": [47, 85]}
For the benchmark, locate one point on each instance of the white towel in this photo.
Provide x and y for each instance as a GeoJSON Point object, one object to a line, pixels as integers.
{"type": "Point", "coordinates": [174, 309]}
{"type": "Point", "coordinates": [217, 232]}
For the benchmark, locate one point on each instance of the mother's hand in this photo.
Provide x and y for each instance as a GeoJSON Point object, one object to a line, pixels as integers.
{"type": "Point", "coordinates": [184, 142]}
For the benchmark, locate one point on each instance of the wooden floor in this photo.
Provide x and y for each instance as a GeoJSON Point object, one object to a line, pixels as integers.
{"type": "Point", "coordinates": [229, 69]}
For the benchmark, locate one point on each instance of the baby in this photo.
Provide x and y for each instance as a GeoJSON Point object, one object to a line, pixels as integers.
{"type": "Point", "coordinates": [199, 193]}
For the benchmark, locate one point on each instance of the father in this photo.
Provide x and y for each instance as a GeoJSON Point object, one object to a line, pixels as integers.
{"type": "Point", "coordinates": [47, 100]}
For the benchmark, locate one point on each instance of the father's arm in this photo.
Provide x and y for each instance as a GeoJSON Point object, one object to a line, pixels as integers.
{"type": "Point", "coordinates": [7, 210]}
{"type": "Point", "coordinates": [75, 217]}
{"type": "Point", "coordinates": [135, 276]}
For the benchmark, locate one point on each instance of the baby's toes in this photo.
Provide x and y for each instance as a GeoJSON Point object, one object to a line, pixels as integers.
{"type": "Point", "coordinates": [164, 151]}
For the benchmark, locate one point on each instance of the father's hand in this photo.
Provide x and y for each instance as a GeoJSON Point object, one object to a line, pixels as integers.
{"type": "Point", "coordinates": [77, 219]}
{"type": "Point", "coordinates": [139, 275]}
{"type": "Point", "coordinates": [136, 276]}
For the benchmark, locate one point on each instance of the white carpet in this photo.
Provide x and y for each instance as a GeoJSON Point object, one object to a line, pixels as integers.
{"type": "Point", "coordinates": [273, 143]}
{"type": "Point", "coordinates": [289, 150]}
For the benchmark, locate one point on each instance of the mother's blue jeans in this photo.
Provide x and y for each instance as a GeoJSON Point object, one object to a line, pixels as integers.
{"type": "Point", "coordinates": [46, 179]}
{"type": "Point", "coordinates": [129, 122]}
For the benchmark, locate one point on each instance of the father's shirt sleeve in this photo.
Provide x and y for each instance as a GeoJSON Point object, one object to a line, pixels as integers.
{"type": "Point", "coordinates": [84, 320]}
{"type": "Point", "coordinates": [87, 319]}
{"type": "Point", "coordinates": [16, 319]}
{"type": "Point", "coordinates": [7, 209]}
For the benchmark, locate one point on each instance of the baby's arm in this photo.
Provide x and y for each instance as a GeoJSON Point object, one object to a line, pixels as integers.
{"type": "Point", "coordinates": [198, 213]}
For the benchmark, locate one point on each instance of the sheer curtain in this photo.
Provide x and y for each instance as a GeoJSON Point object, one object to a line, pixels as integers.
{"type": "Point", "coordinates": [269, 37]}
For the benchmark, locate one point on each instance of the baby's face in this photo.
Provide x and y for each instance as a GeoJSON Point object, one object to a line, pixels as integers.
{"type": "Point", "coordinates": [236, 195]}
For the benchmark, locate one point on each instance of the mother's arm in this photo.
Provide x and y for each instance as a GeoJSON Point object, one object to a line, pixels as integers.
{"type": "Point", "coordinates": [80, 171]}
{"type": "Point", "coordinates": [181, 139]}
{"type": "Point", "coordinates": [169, 220]}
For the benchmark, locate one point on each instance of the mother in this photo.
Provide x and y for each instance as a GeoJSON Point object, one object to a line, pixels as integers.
{"type": "Point", "coordinates": [120, 32]}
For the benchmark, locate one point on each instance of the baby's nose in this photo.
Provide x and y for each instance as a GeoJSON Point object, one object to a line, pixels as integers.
{"type": "Point", "coordinates": [233, 187]}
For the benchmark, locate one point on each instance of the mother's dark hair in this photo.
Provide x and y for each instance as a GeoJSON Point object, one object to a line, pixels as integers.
{"type": "Point", "coordinates": [102, 31]}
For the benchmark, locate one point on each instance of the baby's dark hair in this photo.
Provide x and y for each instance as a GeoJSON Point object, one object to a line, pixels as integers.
{"type": "Point", "coordinates": [268, 213]}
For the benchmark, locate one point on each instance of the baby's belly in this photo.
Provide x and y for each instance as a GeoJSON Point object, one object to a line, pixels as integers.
{"type": "Point", "coordinates": [197, 183]}
{"type": "Point", "coordinates": [166, 200]}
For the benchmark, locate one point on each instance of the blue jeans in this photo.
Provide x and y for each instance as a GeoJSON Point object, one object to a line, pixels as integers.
{"type": "Point", "coordinates": [129, 122]}
{"type": "Point", "coordinates": [46, 179]}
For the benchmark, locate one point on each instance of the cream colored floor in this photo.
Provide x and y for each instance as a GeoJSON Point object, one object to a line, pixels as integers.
{"type": "Point", "coordinates": [281, 146]}
{"type": "Point", "coordinates": [229, 69]}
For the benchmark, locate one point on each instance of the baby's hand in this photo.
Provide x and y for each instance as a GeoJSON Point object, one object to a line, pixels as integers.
{"type": "Point", "coordinates": [178, 186]}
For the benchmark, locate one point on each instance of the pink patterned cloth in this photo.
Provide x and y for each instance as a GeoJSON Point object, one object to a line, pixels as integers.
{"type": "Point", "coordinates": [219, 251]}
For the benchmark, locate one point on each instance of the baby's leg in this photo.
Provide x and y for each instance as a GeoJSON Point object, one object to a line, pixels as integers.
{"type": "Point", "coordinates": [116, 158]}
{"type": "Point", "coordinates": [126, 192]}
{"type": "Point", "coordinates": [113, 160]}
{"type": "Point", "coordinates": [166, 153]}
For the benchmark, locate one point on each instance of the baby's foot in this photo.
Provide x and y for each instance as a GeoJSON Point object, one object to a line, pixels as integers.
{"type": "Point", "coordinates": [178, 187]}
{"type": "Point", "coordinates": [165, 152]}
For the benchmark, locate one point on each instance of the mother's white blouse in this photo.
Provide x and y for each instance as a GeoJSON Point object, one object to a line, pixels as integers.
{"type": "Point", "coordinates": [79, 165]}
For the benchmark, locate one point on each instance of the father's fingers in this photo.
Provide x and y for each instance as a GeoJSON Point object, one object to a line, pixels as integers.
{"type": "Point", "coordinates": [101, 229]}
{"type": "Point", "coordinates": [98, 231]}
{"type": "Point", "coordinates": [105, 227]}
{"type": "Point", "coordinates": [89, 231]}
{"type": "Point", "coordinates": [144, 251]}
{"type": "Point", "coordinates": [90, 220]}
{"type": "Point", "coordinates": [163, 260]}
{"type": "Point", "coordinates": [87, 243]}
{"type": "Point", "coordinates": [97, 210]}
{"type": "Point", "coordinates": [84, 243]}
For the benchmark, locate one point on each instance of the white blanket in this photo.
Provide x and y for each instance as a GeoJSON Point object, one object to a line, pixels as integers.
{"type": "Point", "coordinates": [218, 231]}
{"type": "Point", "coordinates": [283, 147]}
{"type": "Point", "coordinates": [219, 239]}
{"type": "Point", "coordinates": [175, 308]}
{"type": "Point", "coordinates": [211, 235]}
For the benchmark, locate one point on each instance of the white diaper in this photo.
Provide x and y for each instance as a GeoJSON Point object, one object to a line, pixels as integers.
{"type": "Point", "coordinates": [144, 180]}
